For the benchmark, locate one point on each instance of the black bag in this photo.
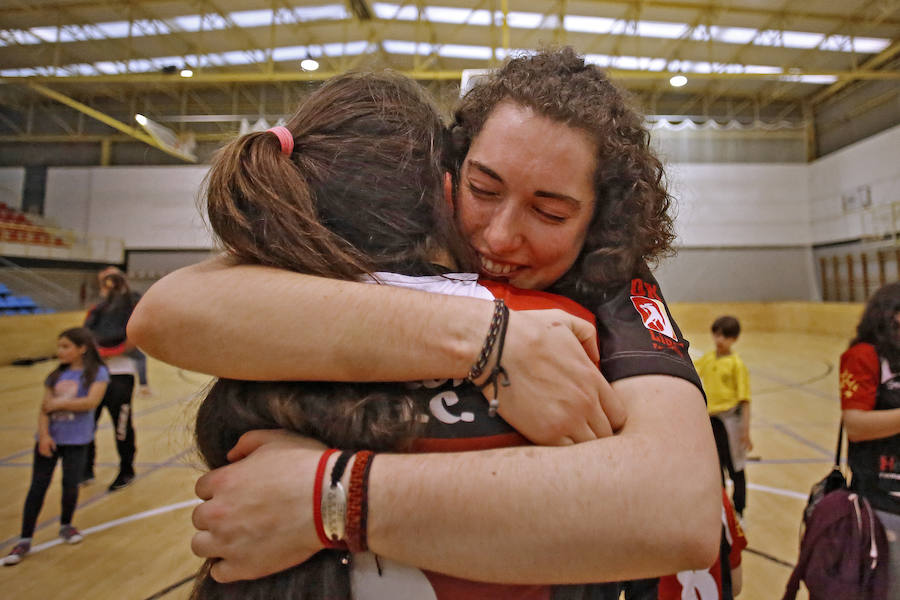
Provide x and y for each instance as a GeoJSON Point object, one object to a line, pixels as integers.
{"type": "Point", "coordinates": [832, 482]}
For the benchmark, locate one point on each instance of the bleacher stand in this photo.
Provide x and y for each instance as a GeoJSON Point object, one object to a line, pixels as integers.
{"type": "Point", "coordinates": [11, 304]}
{"type": "Point", "coordinates": [16, 227]}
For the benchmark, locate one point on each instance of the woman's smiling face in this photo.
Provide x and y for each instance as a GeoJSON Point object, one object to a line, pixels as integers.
{"type": "Point", "coordinates": [526, 196]}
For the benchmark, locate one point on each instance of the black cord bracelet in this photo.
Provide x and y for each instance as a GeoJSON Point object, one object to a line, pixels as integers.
{"type": "Point", "coordinates": [498, 374]}
{"type": "Point", "coordinates": [488, 347]}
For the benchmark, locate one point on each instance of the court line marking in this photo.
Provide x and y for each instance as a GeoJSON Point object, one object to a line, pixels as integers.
{"type": "Point", "coordinates": [122, 521]}
{"type": "Point", "coordinates": [778, 491]}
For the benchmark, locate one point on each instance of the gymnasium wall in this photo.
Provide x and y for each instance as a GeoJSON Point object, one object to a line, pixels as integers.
{"type": "Point", "coordinates": [745, 231]}
{"type": "Point", "coordinates": [873, 162]}
{"type": "Point", "coordinates": [12, 182]}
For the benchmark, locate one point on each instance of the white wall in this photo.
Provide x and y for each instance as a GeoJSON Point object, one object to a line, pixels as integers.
{"type": "Point", "coordinates": [875, 162]}
{"type": "Point", "coordinates": [150, 207]}
{"type": "Point", "coordinates": [12, 181]}
{"type": "Point", "coordinates": [740, 205]}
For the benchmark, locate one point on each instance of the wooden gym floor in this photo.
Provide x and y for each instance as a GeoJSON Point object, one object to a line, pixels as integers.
{"type": "Point", "coordinates": [137, 540]}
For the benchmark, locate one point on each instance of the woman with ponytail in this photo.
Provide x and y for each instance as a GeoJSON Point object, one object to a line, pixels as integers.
{"type": "Point", "coordinates": [555, 164]}
{"type": "Point", "coordinates": [352, 187]}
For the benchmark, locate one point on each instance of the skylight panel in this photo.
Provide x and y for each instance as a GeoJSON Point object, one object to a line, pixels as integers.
{"type": "Point", "coordinates": [47, 34]}
{"type": "Point", "coordinates": [252, 18]}
{"type": "Point", "coordinates": [460, 51]}
{"type": "Point", "coordinates": [405, 47]}
{"type": "Point", "coordinates": [734, 35]}
{"type": "Point", "coordinates": [313, 13]}
{"type": "Point", "coordinates": [114, 29]}
{"type": "Point", "coordinates": [818, 79]}
{"type": "Point", "coordinates": [395, 11]}
{"type": "Point", "coordinates": [870, 45]}
{"type": "Point", "coordinates": [761, 69]}
{"type": "Point", "coordinates": [661, 30]}
{"type": "Point", "coordinates": [442, 14]}
{"type": "Point", "coordinates": [290, 53]}
{"type": "Point", "coordinates": [108, 68]}
{"type": "Point", "coordinates": [800, 39]}
{"type": "Point", "coordinates": [524, 20]}
{"type": "Point", "coordinates": [189, 23]}
{"type": "Point", "coordinates": [588, 24]}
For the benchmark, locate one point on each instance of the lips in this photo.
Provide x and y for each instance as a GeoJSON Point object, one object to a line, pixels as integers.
{"type": "Point", "coordinates": [497, 268]}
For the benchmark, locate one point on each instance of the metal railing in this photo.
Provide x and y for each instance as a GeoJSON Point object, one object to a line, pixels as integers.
{"type": "Point", "coordinates": [43, 291]}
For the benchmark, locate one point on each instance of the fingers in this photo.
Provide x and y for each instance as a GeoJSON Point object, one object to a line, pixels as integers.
{"type": "Point", "coordinates": [204, 486]}
{"type": "Point", "coordinates": [611, 404]}
{"type": "Point", "coordinates": [202, 544]}
{"type": "Point", "coordinates": [224, 571]}
{"type": "Point", "coordinates": [587, 335]}
{"type": "Point", "coordinates": [599, 424]}
{"type": "Point", "coordinates": [249, 442]}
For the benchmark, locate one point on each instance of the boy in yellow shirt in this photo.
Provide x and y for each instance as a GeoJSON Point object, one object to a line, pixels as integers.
{"type": "Point", "coordinates": [726, 382]}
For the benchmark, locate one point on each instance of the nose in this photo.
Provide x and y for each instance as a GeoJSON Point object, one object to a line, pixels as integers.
{"type": "Point", "coordinates": [503, 233]}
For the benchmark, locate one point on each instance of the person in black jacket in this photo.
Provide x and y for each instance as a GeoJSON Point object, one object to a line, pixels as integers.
{"type": "Point", "coordinates": [107, 321]}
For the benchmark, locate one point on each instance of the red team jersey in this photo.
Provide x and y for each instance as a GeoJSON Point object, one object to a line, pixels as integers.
{"type": "Point", "coordinates": [707, 584]}
{"type": "Point", "coordinates": [636, 335]}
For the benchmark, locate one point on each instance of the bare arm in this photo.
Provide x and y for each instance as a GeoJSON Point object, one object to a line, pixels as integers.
{"type": "Point", "coordinates": [46, 445]}
{"type": "Point", "coordinates": [251, 322]}
{"type": "Point", "coordinates": [89, 402]}
{"type": "Point", "coordinates": [642, 503]}
{"type": "Point", "coordinates": [864, 425]}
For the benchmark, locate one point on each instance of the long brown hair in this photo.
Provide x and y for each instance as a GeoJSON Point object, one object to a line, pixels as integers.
{"type": "Point", "coordinates": [878, 325]}
{"type": "Point", "coordinates": [631, 224]}
{"type": "Point", "coordinates": [361, 192]}
{"type": "Point", "coordinates": [91, 361]}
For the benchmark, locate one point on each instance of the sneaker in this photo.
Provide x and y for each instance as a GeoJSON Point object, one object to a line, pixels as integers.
{"type": "Point", "coordinates": [70, 535]}
{"type": "Point", "coordinates": [146, 391]}
{"type": "Point", "coordinates": [18, 553]}
{"type": "Point", "coordinates": [121, 480]}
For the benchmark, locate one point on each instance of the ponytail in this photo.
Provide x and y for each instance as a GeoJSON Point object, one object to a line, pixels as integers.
{"type": "Point", "coordinates": [261, 206]}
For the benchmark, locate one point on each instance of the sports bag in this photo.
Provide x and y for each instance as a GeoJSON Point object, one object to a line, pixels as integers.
{"type": "Point", "coordinates": [843, 548]}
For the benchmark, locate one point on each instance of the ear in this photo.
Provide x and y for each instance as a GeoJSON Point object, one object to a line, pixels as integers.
{"type": "Point", "coordinates": [448, 191]}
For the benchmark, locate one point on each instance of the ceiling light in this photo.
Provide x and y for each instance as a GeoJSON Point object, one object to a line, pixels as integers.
{"type": "Point", "coordinates": [187, 73]}
{"type": "Point", "coordinates": [678, 81]}
{"type": "Point", "coordinates": [308, 64]}
{"type": "Point", "coordinates": [141, 119]}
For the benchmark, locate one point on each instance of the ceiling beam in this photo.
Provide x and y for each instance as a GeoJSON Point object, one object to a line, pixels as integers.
{"type": "Point", "coordinates": [107, 120]}
{"type": "Point", "coordinates": [210, 77]}
{"type": "Point", "coordinates": [875, 62]}
{"type": "Point", "coordinates": [790, 13]}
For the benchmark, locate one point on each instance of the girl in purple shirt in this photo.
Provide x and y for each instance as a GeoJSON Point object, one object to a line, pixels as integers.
{"type": "Point", "coordinates": [65, 429]}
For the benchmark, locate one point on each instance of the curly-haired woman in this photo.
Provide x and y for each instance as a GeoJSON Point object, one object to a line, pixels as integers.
{"type": "Point", "coordinates": [556, 188]}
{"type": "Point", "coordinates": [870, 399]}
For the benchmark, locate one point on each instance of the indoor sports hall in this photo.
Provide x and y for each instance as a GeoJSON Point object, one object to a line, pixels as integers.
{"type": "Point", "coordinates": [777, 123]}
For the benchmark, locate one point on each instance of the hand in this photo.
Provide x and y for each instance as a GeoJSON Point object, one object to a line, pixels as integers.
{"type": "Point", "coordinates": [46, 445]}
{"type": "Point", "coordinates": [557, 395]}
{"type": "Point", "coordinates": [257, 515]}
{"type": "Point", "coordinates": [746, 441]}
{"type": "Point", "coordinates": [51, 404]}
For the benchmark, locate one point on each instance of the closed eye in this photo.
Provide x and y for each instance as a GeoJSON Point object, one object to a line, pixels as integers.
{"type": "Point", "coordinates": [481, 192]}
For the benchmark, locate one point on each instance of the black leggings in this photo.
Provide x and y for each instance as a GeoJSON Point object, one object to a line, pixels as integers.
{"type": "Point", "coordinates": [739, 495]}
{"type": "Point", "coordinates": [117, 401]}
{"type": "Point", "coordinates": [73, 459]}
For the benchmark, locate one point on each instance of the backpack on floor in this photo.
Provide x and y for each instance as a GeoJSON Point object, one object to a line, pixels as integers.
{"type": "Point", "coordinates": [843, 551]}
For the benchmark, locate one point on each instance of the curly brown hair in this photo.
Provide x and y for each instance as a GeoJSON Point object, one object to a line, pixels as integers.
{"type": "Point", "coordinates": [631, 226]}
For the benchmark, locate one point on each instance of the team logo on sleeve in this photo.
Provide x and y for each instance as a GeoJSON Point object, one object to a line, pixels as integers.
{"type": "Point", "coordinates": [653, 312]}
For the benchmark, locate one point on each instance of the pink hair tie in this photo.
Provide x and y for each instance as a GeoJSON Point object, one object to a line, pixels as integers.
{"type": "Point", "coordinates": [286, 138]}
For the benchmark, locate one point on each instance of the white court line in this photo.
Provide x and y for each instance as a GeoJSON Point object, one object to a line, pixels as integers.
{"type": "Point", "coordinates": [122, 521]}
{"type": "Point", "coordinates": [778, 491]}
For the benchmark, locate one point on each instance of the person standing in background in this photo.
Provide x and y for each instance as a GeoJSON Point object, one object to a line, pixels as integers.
{"type": "Point", "coordinates": [107, 321]}
{"type": "Point", "coordinates": [870, 403]}
{"type": "Point", "coordinates": [726, 382]}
